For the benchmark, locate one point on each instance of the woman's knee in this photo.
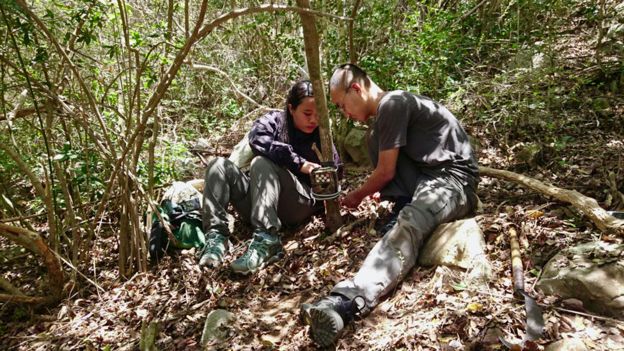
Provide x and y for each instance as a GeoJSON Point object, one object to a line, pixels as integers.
{"type": "Point", "coordinates": [262, 165]}
{"type": "Point", "coordinates": [218, 165]}
{"type": "Point", "coordinates": [259, 161]}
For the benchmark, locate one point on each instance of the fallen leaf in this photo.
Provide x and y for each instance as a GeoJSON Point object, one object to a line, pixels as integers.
{"type": "Point", "coordinates": [474, 307]}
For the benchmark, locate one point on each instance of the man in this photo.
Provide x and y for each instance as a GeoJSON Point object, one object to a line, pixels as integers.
{"type": "Point", "coordinates": [420, 153]}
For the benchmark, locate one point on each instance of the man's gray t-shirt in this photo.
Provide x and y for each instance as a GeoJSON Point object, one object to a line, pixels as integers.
{"type": "Point", "coordinates": [430, 138]}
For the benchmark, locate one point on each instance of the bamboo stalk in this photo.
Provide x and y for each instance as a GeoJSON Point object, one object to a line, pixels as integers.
{"type": "Point", "coordinates": [517, 270]}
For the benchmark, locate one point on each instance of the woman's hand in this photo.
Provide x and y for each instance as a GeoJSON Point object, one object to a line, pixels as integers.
{"type": "Point", "coordinates": [308, 167]}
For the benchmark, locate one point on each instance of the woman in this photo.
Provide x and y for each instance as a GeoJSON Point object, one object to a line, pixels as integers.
{"type": "Point", "coordinates": [277, 189]}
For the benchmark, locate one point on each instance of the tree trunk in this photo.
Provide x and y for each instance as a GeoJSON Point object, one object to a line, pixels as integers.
{"type": "Point", "coordinates": [311, 39]}
{"type": "Point", "coordinates": [352, 53]}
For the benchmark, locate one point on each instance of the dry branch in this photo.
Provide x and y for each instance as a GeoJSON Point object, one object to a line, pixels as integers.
{"type": "Point", "coordinates": [33, 242]}
{"type": "Point", "coordinates": [29, 300]}
{"type": "Point", "coordinates": [586, 205]}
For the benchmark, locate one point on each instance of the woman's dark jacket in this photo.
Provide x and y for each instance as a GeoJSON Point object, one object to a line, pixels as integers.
{"type": "Point", "coordinates": [276, 138]}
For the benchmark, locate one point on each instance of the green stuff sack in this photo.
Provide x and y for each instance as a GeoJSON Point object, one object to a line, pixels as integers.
{"type": "Point", "coordinates": [189, 234]}
{"type": "Point", "coordinates": [180, 207]}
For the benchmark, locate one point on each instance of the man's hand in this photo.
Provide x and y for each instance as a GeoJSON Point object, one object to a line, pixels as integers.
{"type": "Point", "coordinates": [351, 200]}
{"type": "Point", "coordinates": [381, 176]}
{"type": "Point", "coordinates": [308, 167]}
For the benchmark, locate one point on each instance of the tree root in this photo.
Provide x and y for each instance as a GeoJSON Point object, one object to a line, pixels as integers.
{"type": "Point", "coordinates": [33, 242]}
{"type": "Point", "coordinates": [586, 205]}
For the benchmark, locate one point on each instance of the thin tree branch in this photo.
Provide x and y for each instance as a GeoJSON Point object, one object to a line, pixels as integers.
{"type": "Point", "coordinates": [262, 8]}
{"type": "Point", "coordinates": [74, 70]}
{"type": "Point", "coordinates": [201, 67]}
{"type": "Point", "coordinates": [467, 14]}
{"type": "Point", "coordinates": [34, 180]}
{"type": "Point", "coordinates": [352, 53]}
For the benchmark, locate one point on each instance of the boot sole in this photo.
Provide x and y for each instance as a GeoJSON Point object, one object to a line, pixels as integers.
{"type": "Point", "coordinates": [216, 263]}
{"type": "Point", "coordinates": [273, 258]}
{"type": "Point", "coordinates": [325, 325]}
{"type": "Point", "coordinates": [211, 263]}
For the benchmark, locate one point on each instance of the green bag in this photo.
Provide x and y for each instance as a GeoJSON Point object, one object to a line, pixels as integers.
{"type": "Point", "coordinates": [180, 207]}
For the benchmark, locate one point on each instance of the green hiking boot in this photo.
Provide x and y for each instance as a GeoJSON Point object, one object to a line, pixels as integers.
{"type": "Point", "coordinates": [211, 255]}
{"type": "Point", "coordinates": [264, 248]}
{"type": "Point", "coordinates": [328, 316]}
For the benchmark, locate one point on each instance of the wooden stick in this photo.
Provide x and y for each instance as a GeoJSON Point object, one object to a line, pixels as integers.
{"type": "Point", "coordinates": [317, 151]}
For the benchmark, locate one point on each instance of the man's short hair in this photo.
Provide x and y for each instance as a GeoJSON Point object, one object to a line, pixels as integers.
{"type": "Point", "coordinates": [347, 74]}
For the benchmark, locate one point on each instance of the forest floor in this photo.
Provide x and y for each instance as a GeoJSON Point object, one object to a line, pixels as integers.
{"type": "Point", "coordinates": [430, 310]}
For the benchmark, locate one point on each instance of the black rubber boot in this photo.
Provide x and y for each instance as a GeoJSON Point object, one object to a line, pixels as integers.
{"type": "Point", "coordinates": [328, 316]}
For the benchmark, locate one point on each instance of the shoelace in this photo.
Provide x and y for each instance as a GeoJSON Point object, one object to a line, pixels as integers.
{"type": "Point", "coordinates": [211, 244]}
{"type": "Point", "coordinates": [257, 247]}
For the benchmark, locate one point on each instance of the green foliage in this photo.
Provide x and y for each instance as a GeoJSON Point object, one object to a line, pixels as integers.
{"type": "Point", "coordinates": [432, 46]}
{"type": "Point", "coordinates": [174, 162]}
{"type": "Point", "coordinates": [85, 169]}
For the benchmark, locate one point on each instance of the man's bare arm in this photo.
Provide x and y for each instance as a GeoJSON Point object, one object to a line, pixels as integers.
{"type": "Point", "coordinates": [381, 176]}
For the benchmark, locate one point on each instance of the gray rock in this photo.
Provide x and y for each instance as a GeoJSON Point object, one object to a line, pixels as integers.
{"type": "Point", "coordinates": [591, 272]}
{"type": "Point", "coordinates": [529, 153]}
{"type": "Point", "coordinates": [458, 244]}
{"type": "Point", "coordinates": [569, 344]}
{"type": "Point", "coordinates": [355, 146]}
{"type": "Point", "coordinates": [215, 327]}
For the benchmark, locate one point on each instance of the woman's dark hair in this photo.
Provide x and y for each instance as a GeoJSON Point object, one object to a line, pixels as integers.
{"type": "Point", "coordinates": [298, 92]}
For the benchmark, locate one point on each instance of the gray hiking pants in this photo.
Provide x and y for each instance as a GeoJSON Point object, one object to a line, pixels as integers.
{"type": "Point", "coordinates": [439, 198]}
{"type": "Point", "coordinates": [266, 197]}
